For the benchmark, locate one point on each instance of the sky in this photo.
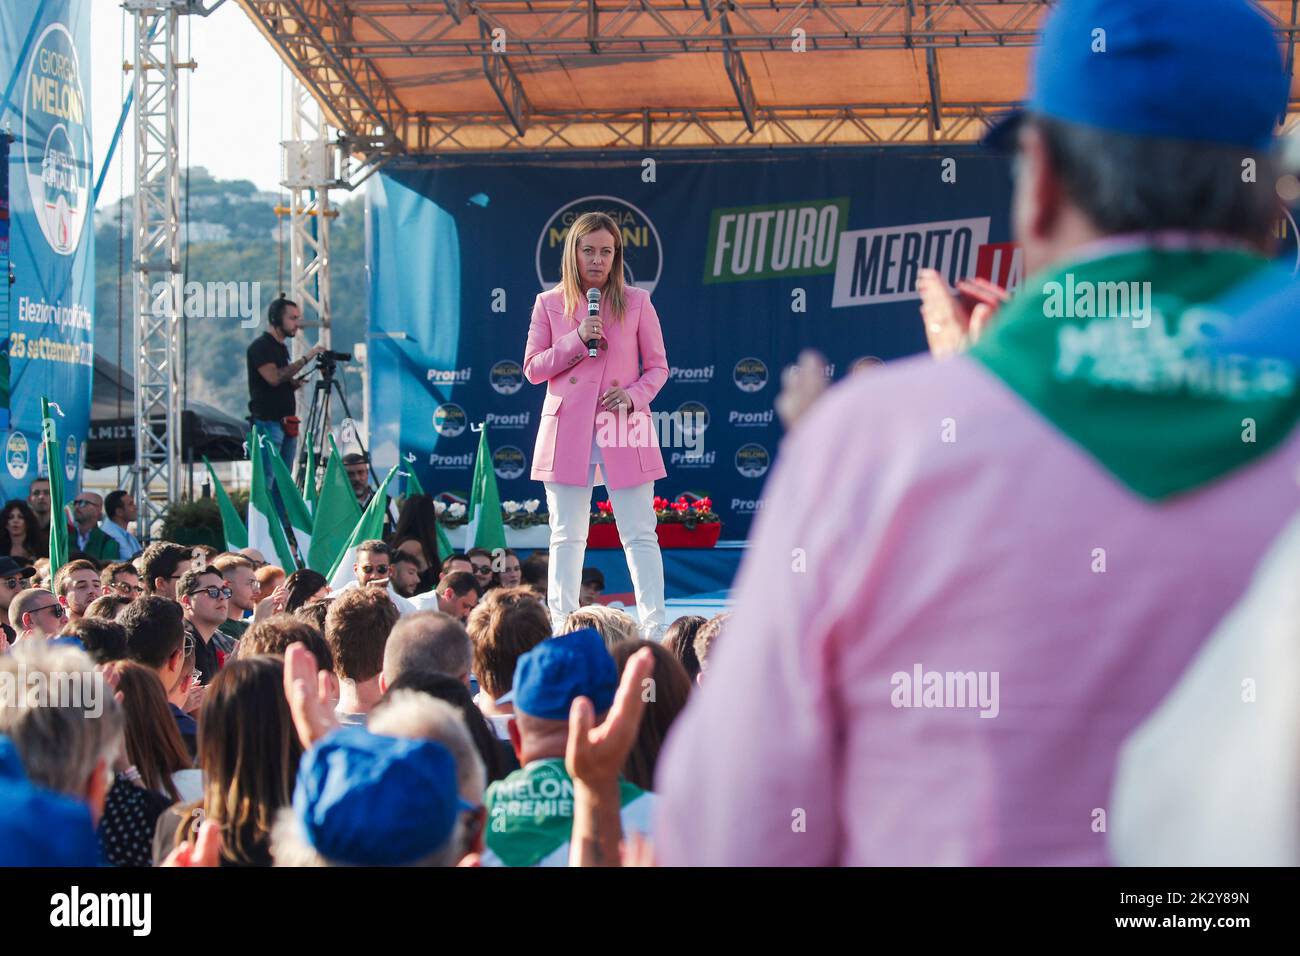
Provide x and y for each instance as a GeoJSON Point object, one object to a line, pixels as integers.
{"type": "Point", "coordinates": [233, 99]}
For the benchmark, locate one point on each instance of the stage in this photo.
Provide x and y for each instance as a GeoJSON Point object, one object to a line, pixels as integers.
{"type": "Point", "coordinates": [696, 580]}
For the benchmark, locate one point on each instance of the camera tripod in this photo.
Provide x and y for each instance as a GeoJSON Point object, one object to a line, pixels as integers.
{"type": "Point", "coordinates": [316, 424]}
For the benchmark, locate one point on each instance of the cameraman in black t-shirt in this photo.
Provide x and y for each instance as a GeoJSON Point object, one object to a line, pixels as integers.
{"type": "Point", "coordinates": [270, 377]}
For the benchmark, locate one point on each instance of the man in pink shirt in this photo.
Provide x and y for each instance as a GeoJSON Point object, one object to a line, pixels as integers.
{"type": "Point", "coordinates": [984, 573]}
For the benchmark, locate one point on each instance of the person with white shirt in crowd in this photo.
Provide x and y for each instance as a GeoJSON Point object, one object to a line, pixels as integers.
{"type": "Point", "coordinates": [119, 511]}
{"type": "Point", "coordinates": [455, 594]}
{"type": "Point", "coordinates": [373, 568]}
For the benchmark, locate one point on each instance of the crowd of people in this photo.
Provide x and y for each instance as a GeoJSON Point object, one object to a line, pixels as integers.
{"type": "Point", "coordinates": [1038, 611]}
{"type": "Point", "coordinates": [221, 705]}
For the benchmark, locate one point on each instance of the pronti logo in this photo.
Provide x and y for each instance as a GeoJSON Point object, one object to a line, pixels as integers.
{"type": "Point", "coordinates": [774, 241]}
{"type": "Point", "coordinates": [449, 376]}
{"type": "Point", "coordinates": [508, 462]}
{"type": "Point", "coordinates": [451, 461]}
{"type": "Point", "coordinates": [881, 265]}
{"type": "Point", "coordinates": [750, 375]}
{"type": "Point", "coordinates": [700, 375]}
{"type": "Point", "coordinates": [449, 420]}
{"type": "Point", "coordinates": [685, 459]}
{"type": "Point", "coordinates": [752, 460]}
{"type": "Point", "coordinates": [18, 455]}
{"type": "Point", "coordinates": [518, 420]}
{"type": "Point", "coordinates": [751, 419]}
{"type": "Point", "coordinates": [56, 139]}
{"type": "Point", "coordinates": [507, 377]}
{"type": "Point", "coordinates": [643, 260]}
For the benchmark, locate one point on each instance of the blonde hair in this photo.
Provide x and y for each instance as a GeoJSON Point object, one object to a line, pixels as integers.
{"type": "Point", "coordinates": [613, 625]}
{"type": "Point", "coordinates": [571, 282]}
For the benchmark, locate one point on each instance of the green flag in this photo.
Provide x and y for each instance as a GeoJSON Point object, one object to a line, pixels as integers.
{"type": "Point", "coordinates": [413, 486]}
{"type": "Point", "coordinates": [265, 530]}
{"type": "Point", "coordinates": [295, 508]}
{"type": "Point", "coordinates": [486, 529]}
{"type": "Point", "coordinates": [58, 520]}
{"type": "Point", "coordinates": [337, 514]}
{"type": "Point", "coordinates": [370, 526]}
{"type": "Point", "coordinates": [232, 526]}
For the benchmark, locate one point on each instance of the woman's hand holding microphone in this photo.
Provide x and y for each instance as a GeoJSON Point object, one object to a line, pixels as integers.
{"type": "Point", "coordinates": [590, 328]}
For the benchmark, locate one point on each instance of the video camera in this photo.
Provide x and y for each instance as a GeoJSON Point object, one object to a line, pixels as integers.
{"type": "Point", "coordinates": [328, 359]}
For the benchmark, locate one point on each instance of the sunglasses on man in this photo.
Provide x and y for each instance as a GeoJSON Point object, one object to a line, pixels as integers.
{"type": "Point", "coordinates": [213, 591]}
{"type": "Point", "coordinates": [127, 589]}
{"type": "Point", "coordinates": [56, 608]}
{"type": "Point", "coordinates": [377, 569]}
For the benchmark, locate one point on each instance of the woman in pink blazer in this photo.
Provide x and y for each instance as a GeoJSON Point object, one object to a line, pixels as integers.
{"type": "Point", "coordinates": [596, 425]}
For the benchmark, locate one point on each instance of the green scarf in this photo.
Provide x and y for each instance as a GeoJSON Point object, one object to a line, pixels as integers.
{"type": "Point", "coordinates": [1113, 352]}
{"type": "Point", "coordinates": [530, 812]}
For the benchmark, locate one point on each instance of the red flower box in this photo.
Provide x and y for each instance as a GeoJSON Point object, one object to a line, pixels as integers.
{"type": "Point", "coordinates": [679, 536]}
{"type": "Point", "coordinates": [671, 535]}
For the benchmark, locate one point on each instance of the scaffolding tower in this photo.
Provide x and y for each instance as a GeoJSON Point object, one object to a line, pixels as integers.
{"type": "Point", "coordinates": [310, 169]}
{"type": "Point", "coordinates": [155, 259]}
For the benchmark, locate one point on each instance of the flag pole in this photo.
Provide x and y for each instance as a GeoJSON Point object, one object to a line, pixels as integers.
{"type": "Point", "coordinates": [277, 505]}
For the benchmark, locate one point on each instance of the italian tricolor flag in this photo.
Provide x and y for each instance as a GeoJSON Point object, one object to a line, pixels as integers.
{"type": "Point", "coordinates": [370, 526]}
{"type": "Point", "coordinates": [265, 530]}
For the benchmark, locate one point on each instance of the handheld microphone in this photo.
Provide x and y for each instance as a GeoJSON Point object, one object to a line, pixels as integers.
{"type": "Point", "coordinates": [593, 308]}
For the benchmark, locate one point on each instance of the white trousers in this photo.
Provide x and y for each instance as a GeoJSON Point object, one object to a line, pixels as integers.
{"type": "Point", "coordinates": [570, 512]}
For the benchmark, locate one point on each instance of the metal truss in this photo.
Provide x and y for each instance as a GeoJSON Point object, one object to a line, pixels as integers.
{"type": "Point", "coordinates": [310, 210]}
{"type": "Point", "coordinates": [313, 37]}
{"type": "Point", "coordinates": [571, 28]}
{"type": "Point", "coordinates": [658, 129]}
{"type": "Point", "coordinates": [155, 264]}
{"type": "Point", "coordinates": [310, 170]}
{"type": "Point", "coordinates": [344, 49]}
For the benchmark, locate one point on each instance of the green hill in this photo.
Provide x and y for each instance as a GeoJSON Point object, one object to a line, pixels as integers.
{"type": "Point", "coordinates": [232, 239]}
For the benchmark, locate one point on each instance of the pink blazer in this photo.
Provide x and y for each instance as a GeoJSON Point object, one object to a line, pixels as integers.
{"type": "Point", "coordinates": [635, 360]}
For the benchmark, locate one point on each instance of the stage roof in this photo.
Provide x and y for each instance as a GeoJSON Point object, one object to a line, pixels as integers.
{"type": "Point", "coordinates": [451, 76]}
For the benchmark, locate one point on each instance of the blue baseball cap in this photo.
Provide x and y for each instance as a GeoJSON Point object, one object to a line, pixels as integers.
{"type": "Point", "coordinates": [367, 800]}
{"type": "Point", "coordinates": [1201, 70]}
{"type": "Point", "coordinates": [560, 669]}
{"type": "Point", "coordinates": [40, 827]}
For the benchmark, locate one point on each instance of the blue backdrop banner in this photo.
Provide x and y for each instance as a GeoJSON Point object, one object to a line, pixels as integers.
{"type": "Point", "coordinates": [749, 257]}
{"type": "Point", "coordinates": [49, 306]}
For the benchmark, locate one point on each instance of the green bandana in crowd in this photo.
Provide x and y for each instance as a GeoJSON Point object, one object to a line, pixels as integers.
{"type": "Point", "coordinates": [1113, 352]}
{"type": "Point", "coordinates": [530, 813]}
